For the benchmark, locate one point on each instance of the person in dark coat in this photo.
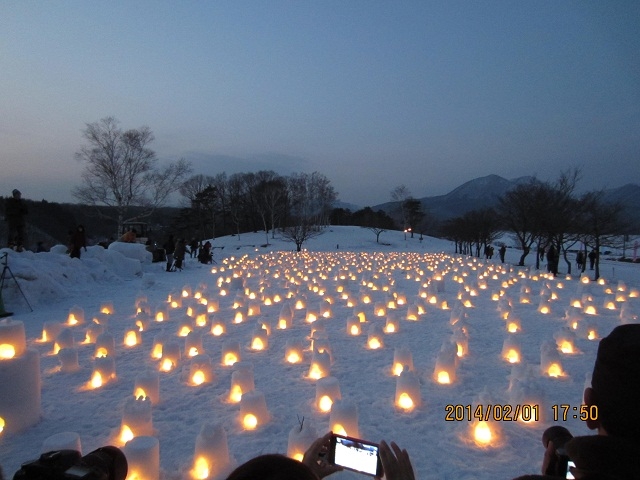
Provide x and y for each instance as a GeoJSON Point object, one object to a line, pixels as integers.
{"type": "Point", "coordinates": [204, 253]}
{"type": "Point", "coordinates": [77, 241]}
{"type": "Point", "coordinates": [592, 259]}
{"type": "Point", "coordinates": [552, 260]}
{"type": "Point", "coordinates": [502, 252]}
{"type": "Point", "coordinates": [15, 211]}
{"type": "Point", "coordinates": [179, 253]}
{"type": "Point", "coordinates": [193, 248]}
{"type": "Point", "coordinates": [169, 247]}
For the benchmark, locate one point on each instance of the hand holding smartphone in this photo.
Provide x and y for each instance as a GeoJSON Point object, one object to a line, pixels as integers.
{"type": "Point", "coordinates": [355, 454]}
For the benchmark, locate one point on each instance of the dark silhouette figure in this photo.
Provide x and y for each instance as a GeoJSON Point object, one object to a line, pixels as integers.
{"type": "Point", "coordinates": [77, 241]}
{"type": "Point", "coordinates": [179, 253]}
{"type": "Point", "coordinates": [592, 259]}
{"type": "Point", "coordinates": [502, 252]}
{"type": "Point", "coordinates": [15, 211]}
{"type": "Point", "coordinates": [169, 247]}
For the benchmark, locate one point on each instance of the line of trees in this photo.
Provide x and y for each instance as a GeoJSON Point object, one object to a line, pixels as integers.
{"type": "Point", "coordinates": [544, 214]}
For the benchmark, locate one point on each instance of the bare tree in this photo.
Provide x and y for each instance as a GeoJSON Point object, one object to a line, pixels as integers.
{"type": "Point", "coordinates": [121, 170]}
{"type": "Point", "coordinates": [400, 194]}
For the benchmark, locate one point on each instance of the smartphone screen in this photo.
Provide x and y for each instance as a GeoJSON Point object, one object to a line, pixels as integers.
{"type": "Point", "coordinates": [569, 465]}
{"type": "Point", "coordinates": [355, 454]}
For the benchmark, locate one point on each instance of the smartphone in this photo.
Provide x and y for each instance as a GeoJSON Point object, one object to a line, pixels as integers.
{"type": "Point", "coordinates": [355, 454]}
{"type": "Point", "coordinates": [570, 464]}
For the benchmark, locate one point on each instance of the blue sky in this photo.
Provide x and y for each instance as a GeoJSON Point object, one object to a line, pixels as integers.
{"type": "Point", "coordinates": [373, 94]}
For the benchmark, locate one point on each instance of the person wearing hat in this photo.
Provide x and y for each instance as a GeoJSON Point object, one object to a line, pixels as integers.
{"type": "Point", "coordinates": [15, 211]}
{"type": "Point", "coordinates": [613, 406]}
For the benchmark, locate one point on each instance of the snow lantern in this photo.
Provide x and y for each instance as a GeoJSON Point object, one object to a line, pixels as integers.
{"type": "Point", "coordinates": [211, 456]}
{"type": "Point", "coordinates": [104, 370]}
{"type": "Point", "coordinates": [93, 331]}
{"type": "Point", "coordinates": [76, 316]}
{"type": "Point", "coordinates": [105, 346]}
{"type": "Point", "coordinates": [132, 337]}
{"type": "Point", "coordinates": [143, 458]}
{"type": "Point", "coordinates": [50, 331]}
{"type": "Point", "coordinates": [444, 372]}
{"type": "Point", "coordinates": [62, 441]}
{"type": "Point", "coordinates": [293, 352]}
{"type": "Point", "coordinates": [408, 390]}
{"type": "Point", "coordinates": [402, 357]}
{"type": "Point", "coordinates": [511, 349]}
{"type": "Point", "coordinates": [63, 340]}
{"type": "Point", "coordinates": [193, 344]}
{"type": "Point", "coordinates": [19, 369]}
{"type": "Point", "coordinates": [320, 365]}
{"type": "Point", "coordinates": [343, 419]}
{"type": "Point", "coordinates": [230, 353]}
{"type": "Point", "coordinates": [147, 385]}
{"type": "Point", "coordinates": [300, 439]}
{"type": "Point", "coordinates": [253, 410]}
{"type": "Point", "coordinates": [242, 381]}
{"type": "Point", "coordinates": [374, 338]}
{"type": "Point", "coordinates": [170, 356]}
{"type": "Point", "coordinates": [550, 363]}
{"type": "Point", "coordinates": [68, 358]}
{"type": "Point", "coordinates": [201, 370]}
{"type": "Point", "coordinates": [353, 325]}
{"type": "Point", "coordinates": [327, 392]}
{"type": "Point", "coordinates": [136, 419]}
{"type": "Point", "coordinates": [259, 339]}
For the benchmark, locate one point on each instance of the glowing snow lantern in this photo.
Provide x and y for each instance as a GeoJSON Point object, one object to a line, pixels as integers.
{"type": "Point", "coordinates": [136, 419]}
{"type": "Point", "coordinates": [565, 341]}
{"type": "Point", "coordinates": [408, 391]}
{"type": "Point", "coordinates": [184, 327]}
{"type": "Point", "coordinates": [550, 363]}
{"type": "Point", "coordinates": [513, 325]}
{"type": "Point", "coordinates": [353, 325]}
{"type": "Point", "coordinates": [379, 309]}
{"type": "Point", "coordinates": [401, 357]}
{"type": "Point", "coordinates": [76, 316]}
{"type": "Point", "coordinates": [193, 344]}
{"type": "Point", "coordinates": [327, 392]}
{"type": "Point", "coordinates": [253, 309]}
{"type": "Point", "coordinates": [343, 419]}
{"type": "Point", "coordinates": [147, 385]}
{"type": "Point", "coordinates": [162, 315]}
{"type": "Point", "coordinates": [511, 350]}
{"type": "Point", "coordinates": [156, 349]}
{"type": "Point", "coordinates": [483, 434]}
{"type": "Point", "coordinates": [211, 456]}
{"type": "Point", "coordinates": [230, 353]}
{"type": "Point", "coordinates": [392, 325]}
{"type": "Point", "coordinates": [218, 327]}
{"type": "Point", "coordinates": [242, 381]}
{"type": "Point", "coordinates": [62, 441]}
{"type": "Point", "coordinates": [105, 345]}
{"type": "Point", "coordinates": [444, 372]}
{"type": "Point", "coordinates": [300, 439]}
{"type": "Point", "coordinates": [143, 458]}
{"type": "Point", "coordinates": [293, 352]}
{"type": "Point", "coordinates": [239, 316]}
{"type": "Point", "coordinates": [170, 356]}
{"type": "Point", "coordinates": [285, 319]}
{"type": "Point", "coordinates": [259, 340]}
{"type": "Point", "coordinates": [590, 309]}
{"type": "Point", "coordinates": [132, 338]}
{"type": "Point", "coordinates": [63, 340]}
{"type": "Point", "coordinates": [253, 410]}
{"type": "Point", "coordinates": [374, 338]}
{"type": "Point", "coordinates": [320, 365]}
{"type": "Point", "coordinates": [544, 307]}
{"type": "Point", "coordinates": [19, 377]}
{"type": "Point", "coordinates": [412, 312]}
{"type": "Point", "coordinates": [50, 331]}
{"type": "Point", "coordinates": [107, 308]}
{"type": "Point", "coordinates": [201, 370]}
{"type": "Point", "coordinates": [104, 370]}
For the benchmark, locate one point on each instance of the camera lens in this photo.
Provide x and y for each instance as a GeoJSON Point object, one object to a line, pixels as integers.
{"type": "Point", "coordinates": [556, 434]}
{"type": "Point", "coordinates": [109, 462]}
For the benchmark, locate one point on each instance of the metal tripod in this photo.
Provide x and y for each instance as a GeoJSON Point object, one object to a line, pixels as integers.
{"type": "Point", "coordinates": [5, 268]}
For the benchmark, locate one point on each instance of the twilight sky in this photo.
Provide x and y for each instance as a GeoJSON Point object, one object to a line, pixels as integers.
{"type": "Point", "coordinates": [371, 93]}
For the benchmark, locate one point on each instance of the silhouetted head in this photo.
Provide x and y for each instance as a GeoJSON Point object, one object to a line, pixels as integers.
{"type": "Point", "coordinates": [272, 467]}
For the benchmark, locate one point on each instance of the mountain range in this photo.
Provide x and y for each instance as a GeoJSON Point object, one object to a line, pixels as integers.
{"type": "Point", "coordinates": [485, 191]}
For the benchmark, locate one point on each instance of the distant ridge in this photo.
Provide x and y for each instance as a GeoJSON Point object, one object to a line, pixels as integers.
{"type": "Point", "coordinates": [484, 192]}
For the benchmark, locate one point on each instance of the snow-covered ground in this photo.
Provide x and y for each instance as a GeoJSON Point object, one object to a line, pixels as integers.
{"type": "Point", "coordinates": [335, 275]}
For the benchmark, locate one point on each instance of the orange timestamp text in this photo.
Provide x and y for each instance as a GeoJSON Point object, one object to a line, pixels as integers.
{"type": "Point", "coordinates": [497, 413]}
{"type": "Point", "coordinates": [563, 412]}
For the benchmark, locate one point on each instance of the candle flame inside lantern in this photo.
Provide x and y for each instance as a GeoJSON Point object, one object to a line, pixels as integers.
{"type": "Point", "coordinates": [157, 351]}
{"type": "Point", "coordinates": [443, 377]}
{"type": "Point", "coordinates": [166, 365]}
{"type": "Point", "coordinates": [140, 393]}
{"type": "Point", "coordinates": [160, 317]}
{"type": "Point", "coordinates": [96, 380]}
{"type": "Point", "coordinates": [339, 429]}
{"type": "Point", "coordinates": [554, 370]}
{"type": "Point", "coordinates": [250, 421]}
{"type": "Point", "coordinates": [126, 434]}
{"type": "Point", "coordinates": [72, 320]}
{"type": "Point", "coordinates": [566, 346]}
{"type": "Point", "coordinates": [217, 330]}
{"type": "Point", "coordinates": [482, 434]}
{"type": "Point", "coordinates": [315, 372]}
{"type": "Point", "coordinates": [130, 339]}
{"type": "Point", "coordinates": [198, 377]}
{"type": "Point", "coordinates": [397, 368]}
{"type": "Point", "coordinates": [2, 424]}
{"type": "Point", "coordinates": [7, 351]}
{"type": "Point", "coordinates": [200, 469]}
{"type": "Point", "coordinates": [193, 351]}
{"type": "Point", "coordinates": [230, 358]}
{"type": "Point", "coordinates": [355, 330]}
{"type": "Point", "coordinates": [257, 344]}
{"type": "Point", "coordinates": [325, 403]}
{"type": "Point", "coordinates": [512, 356]}
{"type": "Point", "coordinates": [235, 394]}
{"type": "Point", "coordinates": [512, 327]}
{"type": "Point", "coordinates": [238, 318]}
{"type": "Point", "coordinates": [101, 352]}
{"type": "Point", "coordinates": [405, 401]}
{"type": "Point", "coordinates": [592, 335]}
{"type": "Point", "coordinates": [294, 357]}
{"type": "Point", "coordinates": [590, 310]}
{"type": "Point", "coordinates": [374, 343]}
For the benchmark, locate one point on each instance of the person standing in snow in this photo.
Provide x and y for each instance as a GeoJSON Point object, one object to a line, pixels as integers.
{"type": "Point", "coordinates": [15, 211]}
{"type": "Point", "coordinates": [169, 247]}
{"type": "Point", "coordinates": [179, 253]}
{"type": "Point", "coordinates": [77, 241]}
